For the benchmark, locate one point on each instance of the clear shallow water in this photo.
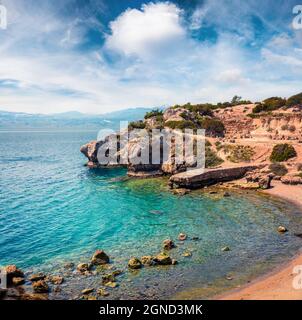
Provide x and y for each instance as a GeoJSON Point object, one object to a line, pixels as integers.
{"type": "Point", "coordinates": [54, 210]}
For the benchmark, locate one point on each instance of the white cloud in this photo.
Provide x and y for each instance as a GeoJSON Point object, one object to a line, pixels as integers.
{"type": "Point", "coordinates": [140, 32]}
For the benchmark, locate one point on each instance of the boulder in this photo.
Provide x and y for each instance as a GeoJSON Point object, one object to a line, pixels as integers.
{"type": "Point", "coordinates": [134, 263]}
{"type": "Point", "coordinates": [148, 260]}
{"type": "Point", "coordinates": [17, 281]}
{"type": "Point", "coordinates": [282, 229]}
{"type": "Point", "coordinates": [99, 257]}
{"type": "Point", "coordinates": [40, 286]}
{"type": "Point", "coordinates": [83, 267]}
{"type": "Point", "coordinates": [168, 244]}
{"type": "Point", "coordinates": [163, 259]}
{"type": "Point", "coordinates": [56, 280]}
{"type": "Point", "coordinates": [36, 277]}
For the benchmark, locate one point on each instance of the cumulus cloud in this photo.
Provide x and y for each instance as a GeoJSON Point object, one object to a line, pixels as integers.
{"type": "Point", "coordinates": [142, 32]}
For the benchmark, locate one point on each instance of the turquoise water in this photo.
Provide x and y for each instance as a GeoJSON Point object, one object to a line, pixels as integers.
{"type": "Point", "coordinates": [54, 210]}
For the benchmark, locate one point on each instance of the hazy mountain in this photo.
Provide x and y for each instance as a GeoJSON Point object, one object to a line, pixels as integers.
{"type": "Point", "coordinates": [68, 120]}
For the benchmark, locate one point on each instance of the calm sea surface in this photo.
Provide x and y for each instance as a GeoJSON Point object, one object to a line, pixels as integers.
{"type": "Point", "coordinates": [55, 210]}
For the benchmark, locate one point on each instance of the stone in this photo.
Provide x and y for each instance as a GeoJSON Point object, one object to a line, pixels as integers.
{"type": "Point", "coordinates": [33, 296]}
{"type": "Point", "coordinates": [168, 244]}
{"type": "Point", "coordinates": [148, 260]}
{"type": "Point", "coordinates": [117, 272]}
{"type": "Point", "coordinates": [174, 262]}
{"type": "Point", "coordinates": [291, 180]}
{"type": "Point", "coordinates": [103, 293]}
{"type": "Point", "coordinates": [225, 249]}
{"type": "Point", "coordinates": [134, 263]}
{"type": "Point", "coordinates": [99, 257]}
{"type": "Point", "coordinates": [36, 277]}
{"type": "Point", "coordinates": [226, 194]}
{"type": "Point", "coordinates": [111, 284]}
{"type": "Point", "coordinates": [108, 278]}
{"type": "Point", "coordinates": [40, 286]}
{"type": "Point", "coordinates": [83, 267]}
{"type": "Point", "coordinates": [163, 259]}
{"type": "Point", "coordinates": [87, 291]}
{"type": "Point", "coordinates": [180, 191]}
{"type": "Point", "coordinates": [182, 237]}
{"type": "Point", "coordinates": [17, 281]}
{"type": "Point", "coordinates": [282, 229]}
{"type": "Point", "coordinates": [56, 280]}
{"type": "Point", "coordinates": [187, 254]}
{"type": "Point", "coordinates": [69, 265]}
{"type": "Point", "coordinates": [195, 238]}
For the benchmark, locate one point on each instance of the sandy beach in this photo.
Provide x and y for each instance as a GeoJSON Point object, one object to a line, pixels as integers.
{"type": "Point", "coordinates": [279, 284]}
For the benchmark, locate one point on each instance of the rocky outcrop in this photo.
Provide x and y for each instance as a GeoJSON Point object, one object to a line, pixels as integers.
{"type": "Point", "coordinates": [263, 179]}
{"type": "Point", "coordinates": [199, 178]}
{"type": "Point", "coordinates": [291, 180]}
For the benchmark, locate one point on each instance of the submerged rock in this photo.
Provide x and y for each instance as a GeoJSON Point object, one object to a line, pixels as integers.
{"type": "Point", "coordinates": [111, 284]}
{"type": "Point", "coordinates": [134, 263]}
{"type": "Point", "coordinates": [181, 191]}
{"type": "Point", "coordinates": [225, 249]}
{"type": "Point", "coordinates": [187, 254]}
{"type": "Point", "coordinates": [33, 296]}
{"type": "Point", "coordinates": [40, 286]}
{"type": "Point", "coordinates": [103, 293]}
{"type": "Point", "coordinates": [282, 229]}
{"type": "Point", "coordinates": [163, 259]}
{"type": "Point", "coordinates": [99, 257]}
{"type": "Point", "coordinates": [182, 237]}
{"type": "Point", "coordinates": [56, 280]}
{"type": "Point", "coordinates": [168, 244]}
{"type": "Point", "coordinates": [83, 267]}
{"type": "Point", "coordinates": [87, 291]}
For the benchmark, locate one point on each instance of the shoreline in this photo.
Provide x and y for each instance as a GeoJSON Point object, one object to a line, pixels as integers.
{"type": "Point", "coordinates": [277, 285]}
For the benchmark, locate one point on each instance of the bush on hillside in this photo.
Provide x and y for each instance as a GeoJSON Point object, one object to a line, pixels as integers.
{"type": "Point", "coordinates": [270, 104]}
{"type": "Point", "coordinates": [294, 100]}
{"type": "Point", "coordinates": [153, 113]}
{"type": "Point", "coordinates": [212, 160]}
{"type": "Point", "coordinates": [213, 127]}
{"type": "Point", "coordinates": [136, 125]}
{"type": "Point", "coordinates": [283, 152]}
{"type": "Point", "coordinates": [181, 125]}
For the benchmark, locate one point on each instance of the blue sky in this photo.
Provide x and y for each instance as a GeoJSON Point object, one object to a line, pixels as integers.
{"type": "Point", "coordinates": [100, 56]}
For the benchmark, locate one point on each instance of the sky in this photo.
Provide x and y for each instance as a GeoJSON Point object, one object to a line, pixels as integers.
{"type": "Point", "coordinates": [106, 55]}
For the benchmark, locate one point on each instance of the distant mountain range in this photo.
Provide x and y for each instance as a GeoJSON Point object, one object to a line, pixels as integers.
{"type": "Point", "coordinates": [68, 120]}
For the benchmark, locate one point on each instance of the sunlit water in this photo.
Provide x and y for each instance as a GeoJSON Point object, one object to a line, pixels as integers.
{"type": "Point", "coordinates": [55, 210]}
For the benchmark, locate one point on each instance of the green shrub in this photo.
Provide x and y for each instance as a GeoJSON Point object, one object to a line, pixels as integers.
{"type": "Point", "coordinates": [181, 125]}
{"type": "Point", "coordinates": [208, 143]}
{"type": "Point", "coordinates": [294, 100]}
{"type": "Point", "coordinates": [137, 125]}
{"type": "Point", "coordinates": [278, 169]}
{"type": "Point", "coordinates": [213, 127]}
{"type": "Point", "coordinates": [239, 153]}
{"type": "Point", "coordinates": [283, 152]}
{"type": "Point", "coordinates": [270, 104]}
{"type": "Point", "coordinates": [212, 160]}
{"type": "Point", "coordinates": [153, 113]}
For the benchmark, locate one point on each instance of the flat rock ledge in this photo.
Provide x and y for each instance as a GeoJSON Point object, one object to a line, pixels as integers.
{"type": "Point", "coordinates": [198, 178]}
